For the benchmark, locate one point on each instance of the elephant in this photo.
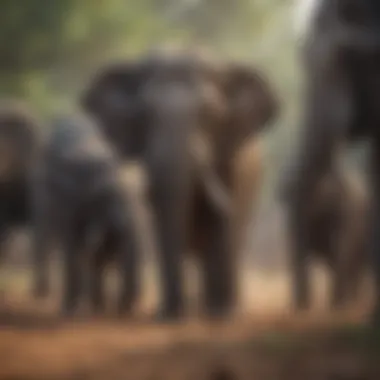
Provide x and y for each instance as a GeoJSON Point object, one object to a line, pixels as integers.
{"type": "Point", "coordinates": [20, 136]}
{"type": "Point", "coordinates": [339, 55]}
{"type": "Point", "coordinates": [337, 231]}
{"type": "Point", "coordinates": [79, 198]}
{"type": "Point", "coordinates": [156, 108]}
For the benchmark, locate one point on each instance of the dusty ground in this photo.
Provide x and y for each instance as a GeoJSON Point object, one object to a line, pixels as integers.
{"type": "Point", "coordinates": [38, 346]}
{"type": "Point", "coordinates": [264, 342]}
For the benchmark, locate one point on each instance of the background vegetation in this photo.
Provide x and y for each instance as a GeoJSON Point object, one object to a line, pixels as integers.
{"type": "Point", "coordinates": [49, 48]}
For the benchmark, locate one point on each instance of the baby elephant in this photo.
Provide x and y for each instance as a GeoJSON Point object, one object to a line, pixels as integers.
{"type": "Point", "coordinates": [337, 234]}
{"type": "Point", "coordinates": [78, 189]}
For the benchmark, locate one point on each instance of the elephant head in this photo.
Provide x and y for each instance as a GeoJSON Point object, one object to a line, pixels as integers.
{"type": "Point", "coordinates": [228, 101]}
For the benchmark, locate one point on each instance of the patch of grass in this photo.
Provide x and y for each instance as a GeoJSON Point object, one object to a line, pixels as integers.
{"type": "Point", "coordinates": [358, 336]}
{"type": "Point", "coordinates": [281, 342]}
{"type": "Point", "coordinates": [351, 337]}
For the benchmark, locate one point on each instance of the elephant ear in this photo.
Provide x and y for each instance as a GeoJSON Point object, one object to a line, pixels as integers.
{"type": "Point", "coordinates": [252, 102]}
{"type": "Point", "coordinates": [111, 93]}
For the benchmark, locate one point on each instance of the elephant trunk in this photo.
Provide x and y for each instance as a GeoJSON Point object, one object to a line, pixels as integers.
{"type": "Point", "coordinates": [175, 116]}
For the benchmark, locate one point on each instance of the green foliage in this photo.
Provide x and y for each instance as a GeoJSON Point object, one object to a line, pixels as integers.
{"type": "Point", "coordinates": [74, 36]}
{"type": "Point", "coordinates": [50, 48]}
{"type": "Point", "coordinates": [31, 32]}
{"type": "Point", "coordinates": [46, 46]}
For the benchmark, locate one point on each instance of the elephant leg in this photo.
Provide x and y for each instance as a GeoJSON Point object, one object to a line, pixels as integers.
{"type": "Point", "coordinates": [219, 267]}
{"type": "Point", "coordinates": [358, 270]}
{"type": "Point", "coordinates": [347, 262]}
{"type": "Point", "coordinates": [128, 262]}
{"type": "Point", "coordinates": [42, 233]}
{"type": "Point", "coordinates": [300, 275]}
{"type": "Point", "coordinates": [325, 127]}
{"type": "Point", "coordinates": [374, 247]}
{"type": "Point", "coordinates": [72, 279]}
{"type": "Point", "coordinates": [3, 237]}
{"type": "Point", "coordinates": [354, 287]}
{"type": "Point", "coordinates": [121, 239]}
{"type": "Point", "coordinates": [171, 247]}
{"type": "Point", "coordinates": [339, 292]}
{"type": "Point", "coordinates": [97, 268]}
{"type": "Point", "coordinates": [337, 260]}
{"type": "Point", "coordinates": [168, 173]}
{"type": "Point", "coordinates": [339, 286]}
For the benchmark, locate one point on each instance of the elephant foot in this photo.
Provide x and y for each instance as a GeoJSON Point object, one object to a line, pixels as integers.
{"type": "Point", "coordinates": [301, 307]}
{"type": "Point", "coordinates": [302, 301]}
{"type": "Point", "coordinates": [124, 310]}
{"type": "Point", "coordinates": [68, 314]}
{"type": "Point", "coordinates": [220, 305]}
{"type": "Point", "coordinates": [98, 310]}
{"type": "Point", "coordinates": [126, 303]}
{"type": "Point", "coordinates": [340, 298]}
{"type": "Point", "coordinates": [219, 313]}
{"type": "Point", "coordinates": [68, 310]}
{"type": "Point", "coordinates": [40, 291]}
{"type": "Point", "coordinates": [97, 305]}
{"type": "Point", "coordinates": [168, 315]}
{"type": "Point", "coordinates": [338, 304]}
{"type": "Point", "coordinates": [302, 304]}
{"type": "Point", "coordinates": [218, 316]}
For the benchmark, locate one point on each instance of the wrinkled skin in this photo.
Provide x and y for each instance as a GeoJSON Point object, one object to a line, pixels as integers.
{"type": "Point", "coordinates": [341, 58]}
{"type": "Point", "coordinates": [19, 142]}
{"type": "Point", "coordinates": [152, 109]}
{"type": "Point", "coordinates": [77, 190]}
{"type": "Point", "coordinates": [337, 232]}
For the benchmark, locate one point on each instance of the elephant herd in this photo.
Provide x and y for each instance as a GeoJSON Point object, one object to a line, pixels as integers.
{"type": "Point", "coordinates": [194, 124]}
{"type": "Point", "coordinates": [341, 59]}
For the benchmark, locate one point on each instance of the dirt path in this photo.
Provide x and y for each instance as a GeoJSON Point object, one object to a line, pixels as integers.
{"type": "Point", "coordinates": [35, 344]}
{"type": "Point", "coordinates": [264, 342]}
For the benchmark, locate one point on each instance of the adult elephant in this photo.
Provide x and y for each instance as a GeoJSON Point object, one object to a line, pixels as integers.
{"type": "Point", "coordinates": [341, 58]}
{"type": "Point", "coordinates": [162, 108]}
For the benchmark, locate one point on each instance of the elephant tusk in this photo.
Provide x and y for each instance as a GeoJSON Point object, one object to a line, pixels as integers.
{"type": "Point", "coordinates": [202, 155]}
{"type": "Point", "coordinates": [219, 195]}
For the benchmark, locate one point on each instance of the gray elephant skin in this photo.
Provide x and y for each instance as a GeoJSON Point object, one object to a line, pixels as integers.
{"type": "Point", "coordinates": [152, 108]}
{"type": "Point", "coordinates": [340, 58]}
